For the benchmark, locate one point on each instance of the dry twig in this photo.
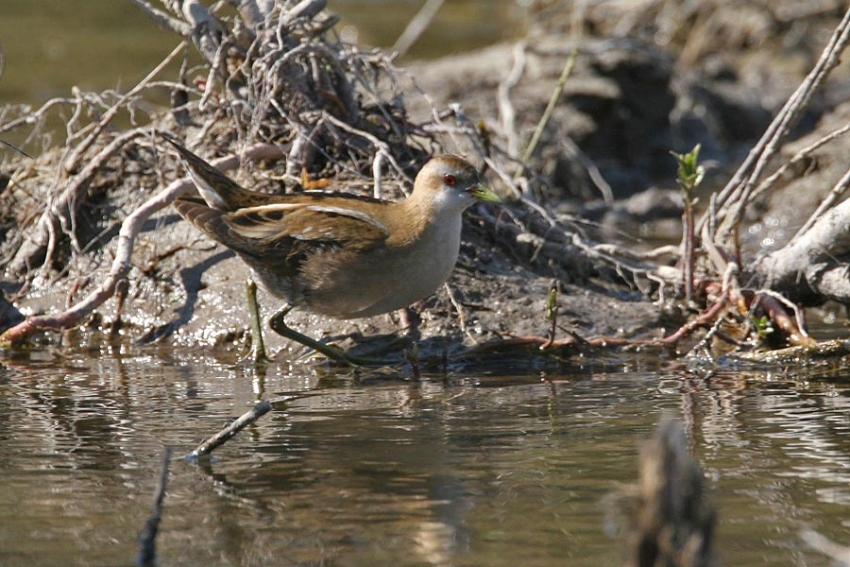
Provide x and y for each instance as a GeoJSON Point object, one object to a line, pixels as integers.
{"type": "Point", "coordinates": [210, 444]}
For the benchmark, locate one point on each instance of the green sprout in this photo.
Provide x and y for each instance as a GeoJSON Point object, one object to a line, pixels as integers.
{"type": "Point", "coordinates": [762, 326]}
{"type": "Point", "coordinates": [689, 175]}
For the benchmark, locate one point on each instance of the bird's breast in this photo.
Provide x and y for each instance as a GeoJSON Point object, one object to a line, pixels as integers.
{"type": "Point", "coordinates": [389, 278]}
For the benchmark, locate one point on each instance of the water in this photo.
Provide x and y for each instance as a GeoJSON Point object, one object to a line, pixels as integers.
{"type": "Point", "coordinates": [52, 45]}
{"type": "Point", "coordinates": [465, 471]}
{"type": "Point", "coordinates": [477, 470]}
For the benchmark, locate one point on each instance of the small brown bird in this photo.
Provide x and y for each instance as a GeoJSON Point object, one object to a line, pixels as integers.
{"type": "Point", "coordinates": [338, 254]}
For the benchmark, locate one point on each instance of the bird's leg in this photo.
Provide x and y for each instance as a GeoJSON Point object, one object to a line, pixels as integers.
{"type": "Point", "coordinates": [281, 328]}
{"type": "Point", "coordinates": [258, 344]}
{"type": "Point", "coordinates": [410, 321]}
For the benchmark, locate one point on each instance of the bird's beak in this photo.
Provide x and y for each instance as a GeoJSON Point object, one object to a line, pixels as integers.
{"type": "Point", "coordinates": [483, 193]}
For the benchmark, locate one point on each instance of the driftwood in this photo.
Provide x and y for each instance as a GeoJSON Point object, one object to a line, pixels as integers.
{"type": "Point", "coordinates": [815, 265]}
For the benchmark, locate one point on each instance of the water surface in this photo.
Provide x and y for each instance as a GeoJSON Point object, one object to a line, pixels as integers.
{"type": "Point", "coordinates": [475, 470]}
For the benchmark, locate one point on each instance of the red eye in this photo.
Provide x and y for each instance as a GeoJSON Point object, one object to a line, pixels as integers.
{"type": "Point", "coordinates": [449, 180]}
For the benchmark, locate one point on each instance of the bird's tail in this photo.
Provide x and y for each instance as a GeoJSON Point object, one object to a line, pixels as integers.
{"type": "Point", "coordinates": [219, 191]}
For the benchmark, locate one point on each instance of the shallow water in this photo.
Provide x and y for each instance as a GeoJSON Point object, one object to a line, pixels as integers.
{"type": "Point", "coordinates": [466, 470]}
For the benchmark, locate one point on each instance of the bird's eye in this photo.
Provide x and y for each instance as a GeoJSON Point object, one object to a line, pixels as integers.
{"type": "Point", "coordinates": [449, 180]}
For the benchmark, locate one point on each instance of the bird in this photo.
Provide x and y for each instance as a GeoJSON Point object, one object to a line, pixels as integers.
{"type": "Point", "coordinates": [334, 253]}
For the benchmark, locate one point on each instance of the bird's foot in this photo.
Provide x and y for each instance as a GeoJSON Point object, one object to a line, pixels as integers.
{"type": "Point", "coordinates": [280, 327]}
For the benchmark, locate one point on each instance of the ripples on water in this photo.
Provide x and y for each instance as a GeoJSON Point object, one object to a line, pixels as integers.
{"type": "Point", "coordinates": [474, 470]}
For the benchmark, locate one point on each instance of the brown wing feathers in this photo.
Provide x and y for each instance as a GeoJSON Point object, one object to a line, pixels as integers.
{"type": "Point", "coordinates": [267, 226]}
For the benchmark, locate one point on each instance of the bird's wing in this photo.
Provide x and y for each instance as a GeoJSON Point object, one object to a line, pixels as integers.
{"type": "Point", "coordinates": [301, 227]}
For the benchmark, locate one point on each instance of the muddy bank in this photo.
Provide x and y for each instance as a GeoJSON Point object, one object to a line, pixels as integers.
{"type": "Point", "coordinates": [601, 172]}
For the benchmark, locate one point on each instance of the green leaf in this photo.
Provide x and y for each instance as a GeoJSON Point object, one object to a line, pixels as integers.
{"type": "Point", "coordinates": [689, 174]}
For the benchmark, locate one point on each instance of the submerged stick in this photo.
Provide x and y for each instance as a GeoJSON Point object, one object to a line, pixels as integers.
{"type": "Point", "coordinates": [147, 537]}
{"type": "Point", "coordinates": [210, 444]}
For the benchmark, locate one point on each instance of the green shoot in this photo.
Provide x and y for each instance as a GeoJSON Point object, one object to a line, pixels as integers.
{"type": "Point", "coordinates": [689, 175]}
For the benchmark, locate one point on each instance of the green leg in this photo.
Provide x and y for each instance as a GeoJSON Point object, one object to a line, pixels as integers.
{"type": "Point", "coordinates": [258, 344]}
{"type": "Point", "coordinates": [280, 327]}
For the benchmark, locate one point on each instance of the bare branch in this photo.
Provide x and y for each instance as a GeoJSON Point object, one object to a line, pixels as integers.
{"type": "Point", "coordinates": [814, 266]}
{"type": "Point", "coordinates": [61, 209]}
{"type": "Point", "coordinates": [72, 161]}
{"type": "Point", "coordinates": [163, 20]}
{"type": "Point", "coordinates": [417, 26]}
{"type": "Point", "coordinates": [210, 444]}
{"type": "Point", "coordinates": [130, 228]}
{"type": "Point", "coordinates": [834, 195]}
{"type": "Point", "coordinates": [735, 196]}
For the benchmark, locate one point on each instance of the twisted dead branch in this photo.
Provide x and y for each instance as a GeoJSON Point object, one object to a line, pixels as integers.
{"type": "Point", "coordinates": [58, 215]}
{"type": "Point", "coordinates": [121, 265]}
